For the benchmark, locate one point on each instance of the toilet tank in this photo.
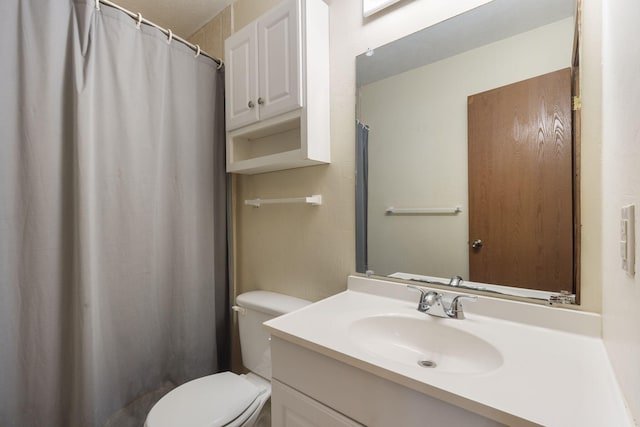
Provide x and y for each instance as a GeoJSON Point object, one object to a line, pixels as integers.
{"type": "Point", "coordinates": [254, 308]}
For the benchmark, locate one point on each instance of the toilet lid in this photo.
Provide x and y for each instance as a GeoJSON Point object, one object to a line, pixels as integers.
{"type": "Point", "coordinates": [211, 401]}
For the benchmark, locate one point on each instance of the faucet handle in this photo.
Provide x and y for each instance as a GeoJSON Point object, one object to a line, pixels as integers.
{"type": "Point", "coordinates": [428, 299]}
{"type": "Point", "coordinates": [455, 310]}
{"type": "Point", "coordinates": [423, 297]}
{"type": "Point", "coordinates": [455, 281]}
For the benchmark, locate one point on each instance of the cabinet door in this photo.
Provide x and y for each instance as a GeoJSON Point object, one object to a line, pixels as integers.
{"type": "Point", "coordinates": [279, 35]}
{"type": "Point", "coordinates": [290, 408]}
{"type": "Point", "coordinates": [241, 82]}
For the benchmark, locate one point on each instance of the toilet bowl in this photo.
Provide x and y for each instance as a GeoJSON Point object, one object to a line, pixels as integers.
{"type": "Point", "coordinates": [227, 399]}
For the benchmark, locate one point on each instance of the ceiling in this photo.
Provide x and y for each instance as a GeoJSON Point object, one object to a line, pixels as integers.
{"type": "Point", "coordinates": [183, 17]}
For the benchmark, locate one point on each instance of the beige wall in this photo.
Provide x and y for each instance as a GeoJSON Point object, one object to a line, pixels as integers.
{"type": "Point", "coordinates": [308, 252]}
{"type": "Point", "coordinates": [212, 35]}
{"type": "Point", "coordinates": [591, 157]}
{"type": "Point", "coordinates": [621, 186]}
{"type": "Point", "coordinates": [424, 111]}
{"type": "Point", "coordinates": [303, 251]}
{"type": "Point", "coordinates": [295, 249]}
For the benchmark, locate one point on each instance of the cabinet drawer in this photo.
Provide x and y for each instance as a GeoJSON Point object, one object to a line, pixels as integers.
{"type": "Point", "coordinates": [290, 408]}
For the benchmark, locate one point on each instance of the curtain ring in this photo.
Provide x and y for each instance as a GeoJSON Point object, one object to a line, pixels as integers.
{"type": "Point", "coordinates": [170, 37]}
{"type": "Point", "coordinates": [97, 4]}
{"type": "Point", "coordinates": [198, 50]}
{"type": "Point", "coordinates": [220, 64]}
{"type": "Point", "coordinates": [139, 20]}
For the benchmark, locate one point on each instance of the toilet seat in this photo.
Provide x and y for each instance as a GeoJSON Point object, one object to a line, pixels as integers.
{"type": "Point", "coordinates": [223, 399]}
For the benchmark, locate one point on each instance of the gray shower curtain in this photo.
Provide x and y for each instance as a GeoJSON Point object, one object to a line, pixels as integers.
{"type": "Point", "coordinates": [362, 196]}
{"type": "Point", "coordinates": [113, 273]}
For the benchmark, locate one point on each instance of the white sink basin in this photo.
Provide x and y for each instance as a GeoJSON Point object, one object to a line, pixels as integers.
{"type": "Point", "coordinates": [426, 343]}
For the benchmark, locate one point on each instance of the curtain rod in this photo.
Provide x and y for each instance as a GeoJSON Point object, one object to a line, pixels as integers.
{"type": "Point", "coordinates": [138, 17]}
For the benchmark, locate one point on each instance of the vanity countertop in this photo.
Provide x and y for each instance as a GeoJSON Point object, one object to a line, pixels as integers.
{"type": "Point", "coordinates": [548, 376]}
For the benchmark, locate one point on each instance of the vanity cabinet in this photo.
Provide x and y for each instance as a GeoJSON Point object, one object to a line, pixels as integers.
{"type": "Point", "coordinates": [355, 353]}
{"type": "Point", "coordinates": [307, 384]}
{"type": "Point", "coordinates": [277, 89]}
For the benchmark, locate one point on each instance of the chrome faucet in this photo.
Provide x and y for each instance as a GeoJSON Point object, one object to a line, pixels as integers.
{"type": "Point", "coordinates": [431, 303]}
{"type": "Point", "coordinates": [455, 281]}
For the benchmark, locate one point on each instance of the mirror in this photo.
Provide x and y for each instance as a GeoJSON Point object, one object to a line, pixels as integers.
{"type": "Point", "coordinates": [465, 152]}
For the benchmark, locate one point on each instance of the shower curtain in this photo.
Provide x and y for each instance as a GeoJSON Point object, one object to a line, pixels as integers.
{"type": "Point", "coordinates": [362, 196]}
{"type": "Point", "coordinates": [113, 262]}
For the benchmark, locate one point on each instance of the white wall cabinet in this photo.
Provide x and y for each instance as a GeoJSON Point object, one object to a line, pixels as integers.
{"type": "Point", "coordinates": [241, 78]}
{"type": "Point", "coordinates": [264, 61]}
{"type": "Point", "coordinates": [277, 89]}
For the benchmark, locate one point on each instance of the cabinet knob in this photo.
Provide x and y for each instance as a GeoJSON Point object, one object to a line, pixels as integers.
{"type": "Point", "coordinates": [260, 101]}
{"type": "Point", "coordinates": [250, 104]}
{"type": "Point", "coordinates": [477, 244]}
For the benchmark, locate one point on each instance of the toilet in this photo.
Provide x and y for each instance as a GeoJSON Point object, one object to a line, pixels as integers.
{"type": "Point", "coordinates": [227, 399]}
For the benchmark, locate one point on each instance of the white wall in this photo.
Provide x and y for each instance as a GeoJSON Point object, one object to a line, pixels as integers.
{"type": "Point", "coordinates": [418, 146]}
{"type": "Point", "coordinates": [302, 251]}
{"type": "Point", "coordinates": [621, 186]}
{"type": "Point", "coordinates": [308, 253]}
